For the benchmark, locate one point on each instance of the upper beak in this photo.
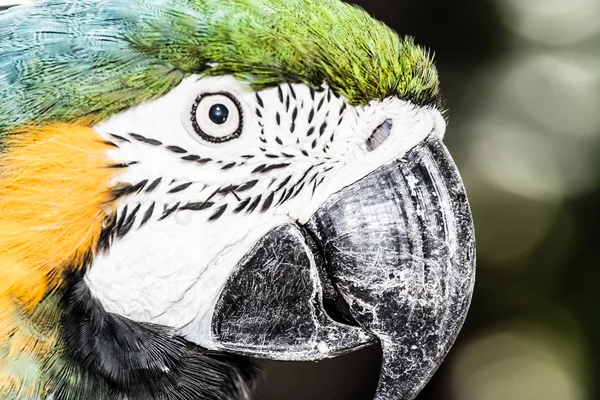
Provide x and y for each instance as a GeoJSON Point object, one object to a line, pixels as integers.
{"type": "Point", "coordinates": [390, 258]}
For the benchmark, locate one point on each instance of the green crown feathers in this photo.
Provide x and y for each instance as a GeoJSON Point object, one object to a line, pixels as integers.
{"type": "Point", "coordinates": [61, 60]}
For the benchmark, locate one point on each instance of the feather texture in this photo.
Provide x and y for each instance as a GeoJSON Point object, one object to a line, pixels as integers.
{"type": "Point", "coordinates": [64, 59]}
{"type": "Point", "coordinates": [54, 198]}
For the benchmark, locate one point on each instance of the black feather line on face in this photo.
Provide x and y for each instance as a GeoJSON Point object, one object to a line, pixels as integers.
{"type": "Point", "coordinates": [153, 185]}
{"type": "Point", "coordinates": [254, 204]}
{"type": "Point", "coordinates": [197, 206]}
{"type": "Point", "coordinates": [218, 213]}
{"type": "Point", "coordinates": [283, 183]}
{"type": "Point", "coordinates": [289, 194]}
{"type": "Point", "coordinates": [128, 189]}
{"type": "Point", "coordinates": [297, 192]}
{"type": "Point", "coordinates": [126, 226]}
{"type": "Point", "coordinates": [242, 205]}
{"type": "Point", "coordinates": [122, 165]}
{"type": "Point", "coordinates": [120, 138]}
{"type": "Point", "coordinates": [321, 104]}
{"type": "Point", "coordinates": [259, 100]}
{"type": "Point", "coordinates": [292, 91]}
{"type": "Point", "coordinates": [168, 211]}
{"type": "Point", "coordinates": [191, 157]}
{"type": "Point", "coordinates": [281, 199]}
{"type": "Point", "coordinates": [147, 215]}
{"type": "Point", "coordinates": [322, 129]}
{"type": "Point", "coordinates": [180, 187]}
{"type": "Point", "coordinates": [177, 149]}
{"type": "Point", "coordinates": [203, 161]}
{"type": "Point", "coordinates": [146, 140]}
{"type": "Point", "coordinates": [268, 202]}
{"type": "Point", "coordinates": [121, 220]}
{"type": "Point", "coordinates": [107, 234]}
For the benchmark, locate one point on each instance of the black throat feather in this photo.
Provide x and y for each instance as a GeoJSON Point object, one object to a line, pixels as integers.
{"type": "Point", "coordinates": [123, 359]}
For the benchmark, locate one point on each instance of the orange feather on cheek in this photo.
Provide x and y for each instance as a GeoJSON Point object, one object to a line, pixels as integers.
{"type": "Point", "coordinates": [54, 199]}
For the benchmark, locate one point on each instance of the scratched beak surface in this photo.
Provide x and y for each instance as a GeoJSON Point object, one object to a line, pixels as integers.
{"type": "Point", "coordinates": [390, 259]}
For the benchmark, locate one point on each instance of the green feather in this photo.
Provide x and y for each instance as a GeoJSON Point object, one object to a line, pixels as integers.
{"type": "Point", "coordinates": [61, 60]}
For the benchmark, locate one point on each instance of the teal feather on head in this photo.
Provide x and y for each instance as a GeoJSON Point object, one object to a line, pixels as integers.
{"type": "Point", "coordinates": [62, 60]}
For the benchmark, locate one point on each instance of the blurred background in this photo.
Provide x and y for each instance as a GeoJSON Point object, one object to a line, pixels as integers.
{"type": "Point", "coordinates": [521, 81]}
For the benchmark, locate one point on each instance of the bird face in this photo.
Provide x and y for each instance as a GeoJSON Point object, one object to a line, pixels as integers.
{"type": "Point", "coordinates": [255, 221]}
{"type": "Point", "coordinates": [188, 183]}
{"type": "Point", "coordinates": [212, 167]}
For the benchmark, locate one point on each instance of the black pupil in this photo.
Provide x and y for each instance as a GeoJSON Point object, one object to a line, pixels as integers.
{"type": "Point", "coordinates": [218, 114]}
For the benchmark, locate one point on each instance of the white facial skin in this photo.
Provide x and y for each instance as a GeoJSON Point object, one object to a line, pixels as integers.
{"type": "Point", "coordinates": [171, 268]}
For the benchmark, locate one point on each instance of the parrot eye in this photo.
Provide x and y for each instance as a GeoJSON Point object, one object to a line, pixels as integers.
{"type": "Point", "coordinates": [217, 117]}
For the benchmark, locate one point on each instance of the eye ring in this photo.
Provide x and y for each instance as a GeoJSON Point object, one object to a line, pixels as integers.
{"type": "Point", "coordinates": [210, 130]}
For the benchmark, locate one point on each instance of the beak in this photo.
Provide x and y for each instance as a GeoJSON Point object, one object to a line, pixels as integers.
{"type": "Point", "coordinates": [390, 259]}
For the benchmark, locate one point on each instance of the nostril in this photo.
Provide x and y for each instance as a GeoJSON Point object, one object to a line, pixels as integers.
{"type": "Point", "coordinates": [379, 135]}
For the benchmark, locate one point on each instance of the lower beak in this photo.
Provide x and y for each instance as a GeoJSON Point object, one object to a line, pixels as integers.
{"type": "Point", "coordinates": [390, 259]}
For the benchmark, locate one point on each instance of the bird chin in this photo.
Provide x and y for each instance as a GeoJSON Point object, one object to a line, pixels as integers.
{"type": "Point", "coordinates": [389, 259]}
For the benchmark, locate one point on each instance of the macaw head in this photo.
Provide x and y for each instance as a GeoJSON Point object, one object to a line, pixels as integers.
{"type": "Point", "coordinates": [188, 183]}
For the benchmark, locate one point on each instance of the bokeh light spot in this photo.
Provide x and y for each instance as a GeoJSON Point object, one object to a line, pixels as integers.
{"type": "Point", "coordinates": [557, 22]}
{"type": "Point", "coordinates": [557, 92]}
{"type": "Point", "coordinates": [517, 363]}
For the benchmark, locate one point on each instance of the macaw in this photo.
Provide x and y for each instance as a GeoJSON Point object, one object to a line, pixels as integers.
{"type": "Point", "coordinates": [187, 186]}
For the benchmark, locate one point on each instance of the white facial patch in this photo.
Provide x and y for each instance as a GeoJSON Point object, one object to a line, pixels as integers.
{"type": "Point", "coordinates": [212, 167]}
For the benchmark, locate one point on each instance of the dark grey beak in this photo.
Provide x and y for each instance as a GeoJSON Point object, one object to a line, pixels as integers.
{"type": "Point", "coordinates": [390, 258]}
